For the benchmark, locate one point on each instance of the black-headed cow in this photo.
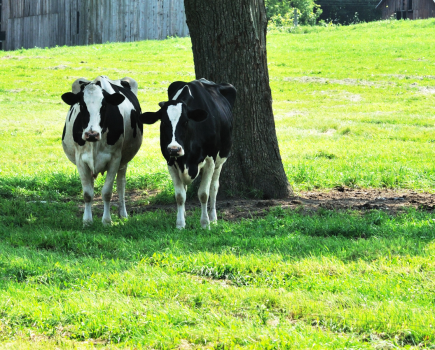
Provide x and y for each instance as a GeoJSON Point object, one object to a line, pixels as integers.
{"type": "Point", "coordinates": [195, 138]}
{"type": "Point", "coordinates": [102, 133]}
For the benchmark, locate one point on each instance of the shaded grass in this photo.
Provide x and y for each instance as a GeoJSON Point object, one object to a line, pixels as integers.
{"type": "Point", "coordinates": [143, 282]}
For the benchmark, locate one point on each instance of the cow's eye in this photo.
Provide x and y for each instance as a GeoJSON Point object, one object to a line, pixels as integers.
{"type": "Point", "coordinates": [162, 123]}
{"type": "Point", "coordinates": [185, 122]}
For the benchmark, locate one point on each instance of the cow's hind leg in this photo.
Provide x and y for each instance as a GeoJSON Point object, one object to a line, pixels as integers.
{"type": "Point", "coordinates": [204, 190]}
{"type": "Point", "coordinates": [180, 196]}
{"type": "Point", "coordinates": [120, 185]}
{"type": "Point", "coordinates": [106, 192]}
{"type": "Point", "coordinates": [88, 191]}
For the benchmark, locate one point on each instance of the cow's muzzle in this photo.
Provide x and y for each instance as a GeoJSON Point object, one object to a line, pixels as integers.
{"type": "Point", "coordinates": [175, 151]}
{"type": "Point", "coordinates": [92, 136]}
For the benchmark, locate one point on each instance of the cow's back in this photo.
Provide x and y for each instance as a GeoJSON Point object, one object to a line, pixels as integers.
{"type": "Point", "coordinates": [216, 131]}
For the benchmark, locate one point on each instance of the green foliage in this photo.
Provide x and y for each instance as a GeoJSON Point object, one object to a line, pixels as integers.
{"type": "Point", "coordinates": [281, 12]}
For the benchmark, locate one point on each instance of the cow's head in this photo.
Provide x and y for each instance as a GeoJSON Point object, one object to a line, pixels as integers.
{"type": "Point", "coordinates": [177, 123]}
{"type": "Point", "coordinates": [93, 101]}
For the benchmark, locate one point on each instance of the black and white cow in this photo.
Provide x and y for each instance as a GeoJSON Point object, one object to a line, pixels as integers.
{"type": "Point", "coordinates": [102, 133]}
{"type": "Point", "coordinates": [195, 137]}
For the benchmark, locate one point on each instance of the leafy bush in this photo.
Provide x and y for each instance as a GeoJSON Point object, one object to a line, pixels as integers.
{"type": "Point", "coordinates": [281, 12]}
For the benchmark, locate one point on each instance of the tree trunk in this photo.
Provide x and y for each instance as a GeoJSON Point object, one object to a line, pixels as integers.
{"type": "Point", "coordinates": [229, 45]}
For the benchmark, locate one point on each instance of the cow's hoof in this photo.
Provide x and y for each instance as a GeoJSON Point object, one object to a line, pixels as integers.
{"type": "Point", "coordinates": [180, 225]}
{"type": "Point", "coordinates": [123, 214]}
{"type": "Point", "coordinates": [87, 223]}
{"type": "Point", "coordinates": [106, 222]}
{"type": "Point", "coordinates": [213, 216]}
{"type": "Point", "coordinates": [205, 224]}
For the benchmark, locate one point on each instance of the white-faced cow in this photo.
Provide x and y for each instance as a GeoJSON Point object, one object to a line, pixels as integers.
{"type": "Point", "coordinates": [195, 138]}
{"type": "Point", "coordinates": [102, 133]}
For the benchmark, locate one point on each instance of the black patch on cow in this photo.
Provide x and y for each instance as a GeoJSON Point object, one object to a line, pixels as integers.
{"type": "Point", "coordinates": [229, 92]}
{"type": "Point", "coordinates": [82, 118]}
{"type": "Point", "coordinates": [134, 117]}
{"type": "Point", "coordinates": [80, 123]}
{"type": "Point", "coordinates": [126, 84]}
{"type": "Point", "coordinates": [129, 95]}
{"type": "Point", "coordinates": [70, 112]}
{"type": "Point", "coordinates": [98, 83]}
{"type": "Point", "coordinates": [83, 84]}
{"type": "Point", "coordinates": [174, 88]}
{"type": "Point", "coordinates": [113, 121]}
{"type": "Point", "coordinates": [135, 122]}
{"type": "Point", "coordinates": [63, 132]}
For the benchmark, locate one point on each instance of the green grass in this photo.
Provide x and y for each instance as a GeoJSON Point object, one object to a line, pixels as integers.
{"type": "Point", "coordinates": [362, 93]}
{"type": "Point", "coordinates": [289, 280]}
{"type": "Point", "coordinates": [353, 106]}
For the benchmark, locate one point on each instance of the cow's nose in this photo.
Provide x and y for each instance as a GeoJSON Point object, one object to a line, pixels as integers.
{"type": "Point", "coordinates": [92, 136]}
{"type": "Point", "coordinates": [174, 151]}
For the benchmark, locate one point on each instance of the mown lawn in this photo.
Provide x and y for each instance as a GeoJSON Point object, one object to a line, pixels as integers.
{"type": "Point", "coordinates": [353, 105]}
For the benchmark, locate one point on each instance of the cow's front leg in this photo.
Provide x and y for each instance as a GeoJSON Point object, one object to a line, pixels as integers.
{"type": "Point", "coordinates": [180, 196]}
{"type": "Point", "coordinates": [214, 186]}
{"type": "Point", "coordinates": [120, 185]}
{"type": "Point", "coordinates": [204, 190]}
{"type": "Point", "coordinates": [88, 191]}
{"type": "Point", "coordinates": [106, 193]}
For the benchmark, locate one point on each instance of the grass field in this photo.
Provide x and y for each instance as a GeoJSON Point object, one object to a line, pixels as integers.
{"type": "Point", "coordinates": [353, 106]}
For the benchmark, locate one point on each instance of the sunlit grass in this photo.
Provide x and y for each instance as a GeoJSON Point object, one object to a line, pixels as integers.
{"type": "Point", "coordinates": [357, 92]}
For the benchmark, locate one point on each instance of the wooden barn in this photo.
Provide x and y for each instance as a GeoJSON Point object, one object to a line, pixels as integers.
{"type": "Point", "coordinates": [407, 9]}
{"type": "Point", "coordinates": [344, 11]}
{"type": "Point", "coordinates": [47, 23]}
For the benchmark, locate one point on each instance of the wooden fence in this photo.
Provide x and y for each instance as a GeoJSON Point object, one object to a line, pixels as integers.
{"type": "Point", "coordinates": [47, 23]}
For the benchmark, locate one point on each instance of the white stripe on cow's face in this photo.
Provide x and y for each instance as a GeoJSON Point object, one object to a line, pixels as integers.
{"type": "Point", "coordinates": [174, 114]}
{"type": "Point", "coordinates": [93, 98]}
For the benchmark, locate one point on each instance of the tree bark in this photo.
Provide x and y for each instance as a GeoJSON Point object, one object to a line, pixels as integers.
{"type": "Point", "coordinates": [229, 45]}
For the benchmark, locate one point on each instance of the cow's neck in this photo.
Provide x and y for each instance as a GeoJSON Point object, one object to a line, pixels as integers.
{"type": "Point", "coordinates": [96, 157]}
{"type": "Point", "coordinates": [188, 171]}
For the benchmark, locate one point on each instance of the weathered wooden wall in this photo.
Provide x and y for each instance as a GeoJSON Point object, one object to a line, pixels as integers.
{"type": "Point", "coordinates": [47, 23]}
{"type": "Point", "coordinates": [417, 9]}
{"type": "Point", "coordinates": [368, 3]}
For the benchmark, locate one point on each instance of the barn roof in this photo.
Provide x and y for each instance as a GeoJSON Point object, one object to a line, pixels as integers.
{"type": "Point", "coordinates": [380, 2]}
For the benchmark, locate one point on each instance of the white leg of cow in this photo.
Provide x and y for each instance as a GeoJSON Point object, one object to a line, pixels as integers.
{"type": "Point", "coordinates": [106, 192]}
{"type": "Point", "coordinates": [204, 190]}
{"type": "Point", "coordinates": [180, 196]}
{"type": "Point", "coordinates": [120, 185]}
{"type": "Point", "coordinates": [88, 191]}
{"type": "Point", "coordinates": [214, 186]}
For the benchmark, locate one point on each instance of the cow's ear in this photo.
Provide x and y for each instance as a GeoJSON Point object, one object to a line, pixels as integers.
{"type": "Point", "coordinates": [229, 92]}
{"type": "Point", "coordinates": [113, 99]}
{"type": "Point", "coordinates": [197, 115]}
{"type": "Point", "coordinates": [150, 117]}
{"type": "Point", "coordinates": [70, 98]}
{"type": "Point", "coordinates": [161, 104]}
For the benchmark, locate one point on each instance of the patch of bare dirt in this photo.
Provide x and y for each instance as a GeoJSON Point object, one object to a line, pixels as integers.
{"type": "Point", "coordinates": [340, 198]}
